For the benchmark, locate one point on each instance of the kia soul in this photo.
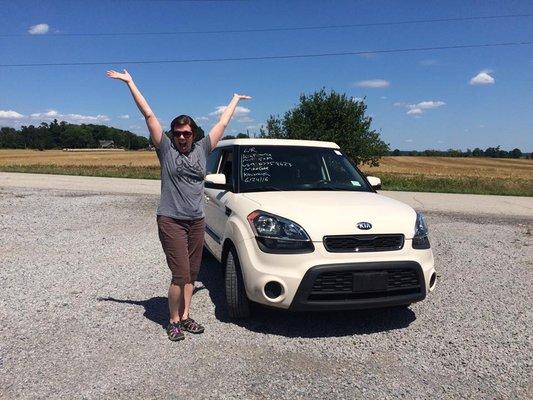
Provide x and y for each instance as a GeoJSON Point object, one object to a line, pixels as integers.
{"type": "Point", "coordinates": [297, 226]}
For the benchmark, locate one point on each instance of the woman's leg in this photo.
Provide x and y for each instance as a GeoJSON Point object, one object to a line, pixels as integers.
{"type": "Point", "coordinates": [173, 236]}
{"type": "Point", "coordinates": [195, 249]}
{"type": "Point", "coordinates": [175, 296]}
{"type": "Point", "coordinates": [185, 304]}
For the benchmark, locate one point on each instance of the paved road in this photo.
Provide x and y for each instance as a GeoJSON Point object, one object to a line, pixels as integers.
{"type": "Point", "coordinates": [439, 202]}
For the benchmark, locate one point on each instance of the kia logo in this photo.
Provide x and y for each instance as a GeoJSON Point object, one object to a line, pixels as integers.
{"type": "Point", "coordinates": [364, 225]}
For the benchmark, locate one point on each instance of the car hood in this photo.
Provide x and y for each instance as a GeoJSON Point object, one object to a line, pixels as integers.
{"type": "Point", "coordinates": [323, 213]}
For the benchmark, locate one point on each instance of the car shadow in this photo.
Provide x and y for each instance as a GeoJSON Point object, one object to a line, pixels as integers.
{"type": "Point", "coordinates": [280, 322]}
{"type": "Point", "coordinates": [304, 324]}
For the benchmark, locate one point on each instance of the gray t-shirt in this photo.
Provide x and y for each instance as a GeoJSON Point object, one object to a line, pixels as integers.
{"type": "Point", "coordinates": [182, 179]}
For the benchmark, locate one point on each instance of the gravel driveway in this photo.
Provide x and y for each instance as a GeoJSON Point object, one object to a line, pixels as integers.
{"type": "Point", "coordinates": [83, 303]}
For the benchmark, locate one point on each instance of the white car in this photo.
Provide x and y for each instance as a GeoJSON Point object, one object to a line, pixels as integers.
{"type": "Point", "coordinates": [297, 226]}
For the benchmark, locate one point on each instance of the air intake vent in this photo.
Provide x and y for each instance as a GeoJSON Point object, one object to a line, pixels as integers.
{"type": "Point", "coordinates": [363, 243]}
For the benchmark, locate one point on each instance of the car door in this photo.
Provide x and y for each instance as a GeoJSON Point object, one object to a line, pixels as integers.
{"type": "Point", "coordinates": [216, 211]}
{"type": "Point", "coordinates": [212, 241]}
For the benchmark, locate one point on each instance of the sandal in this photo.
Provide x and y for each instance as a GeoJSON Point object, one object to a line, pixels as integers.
{"type": "Point", "coordinates": [190, 325]}
{"type": "Point", "coordinates": [175, 332]}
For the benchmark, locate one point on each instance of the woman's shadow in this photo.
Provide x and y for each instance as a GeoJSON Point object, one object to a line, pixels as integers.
{"type": "Point", "coordinates": [280, 322]}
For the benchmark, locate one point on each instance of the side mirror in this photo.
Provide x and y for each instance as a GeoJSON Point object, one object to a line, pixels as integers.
{"type": "Point", "coordinates": [215, 181]}
{"type": "Point", "coordinates": [374, 182]}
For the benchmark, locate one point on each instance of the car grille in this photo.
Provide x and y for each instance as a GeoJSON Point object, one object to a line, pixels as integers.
{"type": "Point", "coordinates": [363, 243]}
{"type": "Point", "coordinates": [340, 285]}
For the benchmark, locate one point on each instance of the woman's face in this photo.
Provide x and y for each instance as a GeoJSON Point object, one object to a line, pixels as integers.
{"type": "Point", "coordinates": [183, 137]}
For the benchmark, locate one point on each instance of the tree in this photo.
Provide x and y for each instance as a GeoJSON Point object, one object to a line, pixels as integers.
{"type": "Point", "coordinates": [477, 152]}
{"type": "Point", "coordinates": [493, 152]}
{"type": "Point", "coordinates": [331, 117]}
{"type": "Point", "coordinates": [516, 153]}
{"type": "Point", "coordinates": [396, 152]}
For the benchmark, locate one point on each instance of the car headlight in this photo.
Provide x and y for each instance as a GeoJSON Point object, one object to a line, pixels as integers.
{"type": "Point", "coordinates": [420, 238]}
{"type": "Point", "coordinates": [275, 234]}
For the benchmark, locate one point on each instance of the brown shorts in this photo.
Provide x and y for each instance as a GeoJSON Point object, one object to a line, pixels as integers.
{"type": "Point", "coordinates": [182, 242]}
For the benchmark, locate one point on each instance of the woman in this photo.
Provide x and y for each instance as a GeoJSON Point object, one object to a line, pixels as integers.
{"type": "Point", "coordinates": [180, 216]}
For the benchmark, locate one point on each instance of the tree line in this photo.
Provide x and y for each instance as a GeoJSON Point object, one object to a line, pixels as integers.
{"type": "Point", "coordinates": [492, 152]}
{"type": "Point", "coordinates": [59, 135]}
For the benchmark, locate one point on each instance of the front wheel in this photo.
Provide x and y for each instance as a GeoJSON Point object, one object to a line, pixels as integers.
{"type": "Point", "coordinates": [236, 299]}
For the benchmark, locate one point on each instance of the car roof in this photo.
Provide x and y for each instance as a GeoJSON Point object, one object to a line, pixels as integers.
{"type": "Point", "coordinates": [276, 142]}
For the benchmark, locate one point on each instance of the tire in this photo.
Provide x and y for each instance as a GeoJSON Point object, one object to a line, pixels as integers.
{"type": "Point", "coordinates": [236, 299]}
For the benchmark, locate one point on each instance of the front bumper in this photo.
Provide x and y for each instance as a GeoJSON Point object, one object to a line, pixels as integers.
{"type": "Point", "coordinates": [404, 284]}
{"type": "Point", "coordinates": [296, 274]}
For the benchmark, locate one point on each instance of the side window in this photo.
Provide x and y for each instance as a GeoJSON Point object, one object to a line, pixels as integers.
{"type": "Point", "coordinates": [338, 170]}
{"type": "Point", "coordinates": [226, 166]}
{"type": "Point", "coordinates": [212, 161]}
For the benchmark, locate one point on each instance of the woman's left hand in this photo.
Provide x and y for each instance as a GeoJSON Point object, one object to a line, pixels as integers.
{"type": "Point", "coordinates": [241, 96]}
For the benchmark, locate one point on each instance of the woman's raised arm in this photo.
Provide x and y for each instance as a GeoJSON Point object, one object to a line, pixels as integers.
{"type": "Point", "coordinates": [218, 130]}
{"type": "Point", "coordinates": [154, 127]}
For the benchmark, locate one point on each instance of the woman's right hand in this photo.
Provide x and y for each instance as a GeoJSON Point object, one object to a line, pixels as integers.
{"type": "Point", "coordinates": [123, 76]}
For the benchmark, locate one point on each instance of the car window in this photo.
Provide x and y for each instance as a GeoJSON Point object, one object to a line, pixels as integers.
{"type": "Point", "coordinates": [226, 166]}
{"type": "Point", "coordinates": [339, 170]}
{"type": "Point", "coordinates": [212, 161]}
{"type": "Point", "coordinates": [297, 168]}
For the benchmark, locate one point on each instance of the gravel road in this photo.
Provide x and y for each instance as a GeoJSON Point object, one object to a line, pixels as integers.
{"type": "Point", "coordinates": [83, 302]}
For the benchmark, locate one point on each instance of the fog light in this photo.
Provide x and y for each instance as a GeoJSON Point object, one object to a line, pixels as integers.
{"type": "Point", "coordinates": [273, 290]}
{"type": "Point", "coordinates": [432, 281]}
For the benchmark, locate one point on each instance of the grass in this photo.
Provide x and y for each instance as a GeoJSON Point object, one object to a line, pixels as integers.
{"type": "Point", "coordinates": [467, 184]}
{"type": "Point", "coordinates": [119, 171]}
{"type": "Point", "coordinates": [417, 174]}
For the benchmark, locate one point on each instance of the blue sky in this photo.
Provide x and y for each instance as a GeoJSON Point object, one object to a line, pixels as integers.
{"type": "Point", "coordinates": [460, 98]}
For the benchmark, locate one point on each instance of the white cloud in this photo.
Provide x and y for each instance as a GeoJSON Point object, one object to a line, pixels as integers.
{"type": "Point", "coordinates": [398, 104]}
{"type": "Point", "coordinates": [373, 83]}
{"type": "Point", "coordinates": [356, 99]}
{"type": "Point", "coordinates": [483, 78]}
{"type": "Point", "coordinates": [201, 118]}
{"type": "Point", "coordinates": [417, 109]}
{"type": "Point", "coordinates": [238, 111]}
{"type": "Point", "coordinates": [383, 97]}
{"type": "Point", "coordinates": [408, 140]}
{"type": "Point", "coordinates": [10, 114]}
{"type": "Point", "coordinates": [74, 118]}
{"type": "Point", "coordinates": [428, 104]}
{"type": "Point", "coordinates": [125, 116]}
{"type": "Point", "coordinates": [47, 115]}
{"type": "Point", "coordinates": [39, 29]}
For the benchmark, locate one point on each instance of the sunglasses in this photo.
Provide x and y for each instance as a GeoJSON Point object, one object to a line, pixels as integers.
{"type": "Point", "coordinates": [186, 134]}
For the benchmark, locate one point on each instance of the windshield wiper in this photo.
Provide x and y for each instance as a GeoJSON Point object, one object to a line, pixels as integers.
{"type": "Point", "coordinates": [335, 188]}
{"type": "Point", "coordinates": [267, 189]}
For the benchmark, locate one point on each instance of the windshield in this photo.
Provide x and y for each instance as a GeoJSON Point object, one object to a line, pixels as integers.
{"type": "Point", "coordinates": [268, 168]}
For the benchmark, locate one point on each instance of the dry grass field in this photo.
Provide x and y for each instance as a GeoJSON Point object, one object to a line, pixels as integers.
{"type": "Point", "coordinates": [436, 174]}
{"type": "Point", "coordinates": [72, 158]}
{"type": "Point", "coordinates": [455, 167]}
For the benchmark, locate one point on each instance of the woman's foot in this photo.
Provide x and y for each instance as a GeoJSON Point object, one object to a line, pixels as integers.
{"type": "Point", "coordinates": [190, 325]}
{"type": "Point", "coordinates": [175, 331]}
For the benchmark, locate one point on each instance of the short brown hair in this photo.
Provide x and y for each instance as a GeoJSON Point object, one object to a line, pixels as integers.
{"type": "Point", "coordinates": [182, 120]}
